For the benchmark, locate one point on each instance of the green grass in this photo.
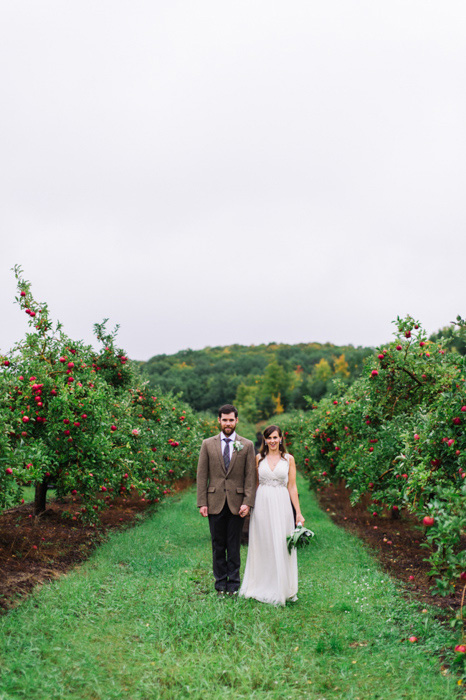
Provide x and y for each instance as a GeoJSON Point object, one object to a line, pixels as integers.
{"type": "Point", "coordinates": [140, 620]}
{"type": "Point", "coordinates": [28, 493]}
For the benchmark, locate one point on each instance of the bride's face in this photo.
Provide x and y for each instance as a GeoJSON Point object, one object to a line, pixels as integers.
{"type": "Point", "coordinates": [273, 441]}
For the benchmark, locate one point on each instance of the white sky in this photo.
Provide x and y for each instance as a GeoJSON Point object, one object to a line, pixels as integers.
{"type": "Point", "coordinates": [207, 173]}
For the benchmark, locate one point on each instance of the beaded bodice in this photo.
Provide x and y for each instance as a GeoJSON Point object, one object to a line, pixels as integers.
{"type": "Point", "coordinates": [276, 477]}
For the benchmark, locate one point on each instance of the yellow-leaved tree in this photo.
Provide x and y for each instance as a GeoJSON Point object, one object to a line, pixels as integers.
{"type": "Point", "coordinates": [341, 366]}
{"type": "Point", "coordinates": [322, 371]}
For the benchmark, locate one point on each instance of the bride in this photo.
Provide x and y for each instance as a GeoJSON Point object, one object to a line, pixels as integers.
{"type": "Point", "coordinates": [271, 573]}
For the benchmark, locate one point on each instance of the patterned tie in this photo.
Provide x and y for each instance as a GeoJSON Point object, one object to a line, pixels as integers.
{"type": "Point", "coordinates": [226, 454]}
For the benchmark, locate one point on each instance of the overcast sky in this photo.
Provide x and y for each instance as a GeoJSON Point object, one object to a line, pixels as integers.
{"type": "Point", "coordinates": [207, 173]}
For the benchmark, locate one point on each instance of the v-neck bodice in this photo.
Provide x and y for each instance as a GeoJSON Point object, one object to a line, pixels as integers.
{"type": "Point", "coordinates": [278, 476]}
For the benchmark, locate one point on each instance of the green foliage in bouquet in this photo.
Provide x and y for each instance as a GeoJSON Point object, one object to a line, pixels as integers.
{"type": "Point", "coordinates": [300, 537]}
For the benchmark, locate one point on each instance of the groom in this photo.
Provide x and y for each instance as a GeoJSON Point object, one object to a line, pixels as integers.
{"type": "Point", "coordinates": [226, 489]}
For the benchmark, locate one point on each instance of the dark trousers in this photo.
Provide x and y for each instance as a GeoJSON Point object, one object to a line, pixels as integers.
{"type": "Point", "coordinates": [225, 531]}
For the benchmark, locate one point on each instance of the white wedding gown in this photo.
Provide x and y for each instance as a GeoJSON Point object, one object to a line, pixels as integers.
{"type": "Point", "coordinates": [271, 574]}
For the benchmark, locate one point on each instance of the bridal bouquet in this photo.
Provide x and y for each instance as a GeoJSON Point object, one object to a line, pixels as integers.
{"type": "Point", "coordinates": [300, 537]}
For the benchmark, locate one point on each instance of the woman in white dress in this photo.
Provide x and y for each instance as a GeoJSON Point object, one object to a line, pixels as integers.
{"type": "Point", "coordinates": [271, 573]}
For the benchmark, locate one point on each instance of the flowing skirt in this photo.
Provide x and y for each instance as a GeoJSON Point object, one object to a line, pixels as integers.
{"type": "Point", "coordinates": [271, 573]}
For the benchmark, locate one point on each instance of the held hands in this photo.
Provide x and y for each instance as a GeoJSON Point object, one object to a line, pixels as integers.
{"type": "Point", "coordinates": [243, 511]}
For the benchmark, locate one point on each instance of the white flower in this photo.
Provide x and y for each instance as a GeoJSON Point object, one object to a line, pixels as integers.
{"type": "Point", "coordinates": [238, 446]}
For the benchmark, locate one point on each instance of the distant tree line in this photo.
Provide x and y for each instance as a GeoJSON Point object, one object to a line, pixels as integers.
{"type": "Point", "coordinates": [262, 380]}
{"type": "Point", "coordinates": [453, 336]}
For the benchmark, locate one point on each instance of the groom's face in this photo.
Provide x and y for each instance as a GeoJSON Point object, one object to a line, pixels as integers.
{"type": "Point", "coordinates": [227, 422]}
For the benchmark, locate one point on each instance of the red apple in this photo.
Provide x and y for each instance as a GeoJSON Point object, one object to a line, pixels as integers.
{"type": "Point", "coordinates": [461, 648]}
{"type": "Point", "coordinates": [413, 639]}
{"type": "Point", "coordinates": [428, 520]}
{"type": "Point", "coordinates": [398, 347]}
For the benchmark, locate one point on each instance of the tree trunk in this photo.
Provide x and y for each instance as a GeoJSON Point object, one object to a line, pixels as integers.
{"type": "Point", "coordinates": [40, 497]}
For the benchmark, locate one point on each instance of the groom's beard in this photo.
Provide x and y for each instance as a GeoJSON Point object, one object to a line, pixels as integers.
{"type": "Point", "coordinates": [228, 431]}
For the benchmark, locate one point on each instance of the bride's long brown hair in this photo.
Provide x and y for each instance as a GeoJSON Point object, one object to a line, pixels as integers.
{"type": "Point", "coordinates": [266, 434]}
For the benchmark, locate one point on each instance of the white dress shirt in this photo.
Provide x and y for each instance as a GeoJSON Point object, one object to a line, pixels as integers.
{"type": "Point", "coordinates": [231, 437]}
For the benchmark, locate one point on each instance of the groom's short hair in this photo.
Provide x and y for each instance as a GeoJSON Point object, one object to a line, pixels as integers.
{"type": "Point", "coordinates": [227, 408]}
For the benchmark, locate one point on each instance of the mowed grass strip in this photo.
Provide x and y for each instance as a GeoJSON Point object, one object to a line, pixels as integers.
{"type": "Point", "coordinates": [141, 620]}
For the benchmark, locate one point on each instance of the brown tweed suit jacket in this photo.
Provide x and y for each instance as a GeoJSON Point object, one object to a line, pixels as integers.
{"type": "Point", "coordinates": [237, 486]}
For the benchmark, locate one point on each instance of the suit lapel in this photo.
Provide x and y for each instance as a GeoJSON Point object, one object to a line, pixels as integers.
{"type": "Point", "coordinates": [233, 456]}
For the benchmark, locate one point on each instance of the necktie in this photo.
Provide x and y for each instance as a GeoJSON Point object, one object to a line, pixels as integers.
{"type": "Point", "coordinates": [226, 454]}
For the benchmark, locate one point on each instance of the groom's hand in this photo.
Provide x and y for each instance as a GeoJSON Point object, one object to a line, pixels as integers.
{"type": "Point", "coordinates": [204, 511]}
{"type": "Point", "coordinates": [244, 511]}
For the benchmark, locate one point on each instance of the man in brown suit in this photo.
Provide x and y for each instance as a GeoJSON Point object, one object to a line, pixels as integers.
{"type": "Point", "coordinates": [226, 489]}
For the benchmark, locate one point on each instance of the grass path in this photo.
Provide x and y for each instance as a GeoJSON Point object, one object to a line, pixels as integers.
{"type": "Point", "coordinates": [140, 621]}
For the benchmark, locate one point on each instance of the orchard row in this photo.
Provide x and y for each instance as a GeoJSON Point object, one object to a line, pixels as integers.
{"type": "Point", "coordinates": [398, 433]}
{"type": "Point", "coordinates": [84, 420]}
